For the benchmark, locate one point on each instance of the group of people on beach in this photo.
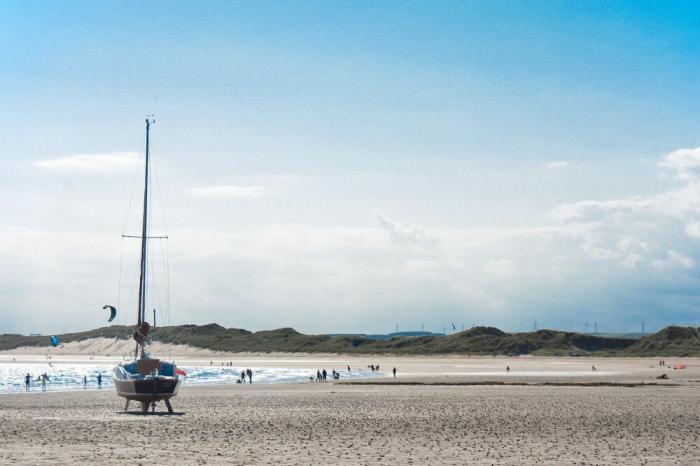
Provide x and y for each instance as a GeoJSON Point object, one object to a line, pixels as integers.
{"type": "Point", "coordinates": [322, 375]}
{"type": "Point", "coordinates": [246, 373]}
{"type": "Point", "coordinates": [44, 380]}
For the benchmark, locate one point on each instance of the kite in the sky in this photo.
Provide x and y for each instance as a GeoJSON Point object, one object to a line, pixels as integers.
{"type": "Point", "coordinates": [112, 312]}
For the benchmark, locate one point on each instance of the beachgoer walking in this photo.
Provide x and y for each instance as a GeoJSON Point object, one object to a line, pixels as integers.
{"type": "Point", "coordinates": [250, 375]}
{"type": "Point", "coordinates": [27, 381]}
{"type": "Point", "coordinates": [394, 371]}
{"type": "Point", "coordinates": [99, 380]}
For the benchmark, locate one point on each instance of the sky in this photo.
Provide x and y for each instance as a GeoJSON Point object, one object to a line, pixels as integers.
{"type": "Point", "coordinates": [352, 166]}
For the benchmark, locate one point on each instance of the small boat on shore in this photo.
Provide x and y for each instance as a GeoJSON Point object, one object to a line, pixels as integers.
{"type": "Point", "coordinates": [146, 380]}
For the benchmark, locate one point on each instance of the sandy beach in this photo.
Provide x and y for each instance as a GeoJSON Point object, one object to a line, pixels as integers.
{"type": "Point", "coordinates": [464, 410]}
{"type": "Point", "coordinates": [303, 424]}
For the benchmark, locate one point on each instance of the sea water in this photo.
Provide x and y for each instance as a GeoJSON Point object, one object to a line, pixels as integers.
{"type": "Point", "coordinates": [66, 376]}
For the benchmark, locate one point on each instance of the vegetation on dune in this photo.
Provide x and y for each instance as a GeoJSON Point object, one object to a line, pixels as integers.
{"type": "Point", "coordinates": [671, 341]}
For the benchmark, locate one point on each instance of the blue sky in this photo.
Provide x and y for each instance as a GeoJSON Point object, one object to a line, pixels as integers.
{"type": "Point", "coordinates": [343, 166]}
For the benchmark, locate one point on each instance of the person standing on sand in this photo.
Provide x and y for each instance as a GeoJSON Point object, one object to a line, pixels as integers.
{"type": "Point", "coordinates": [594, 369]}
{"type": "Point", "coordinates": [394, 371]}
{"type": "Point", "coordinates": [349, 369]}
{"type": "Point", "coordinates": [99, 380]}
{"type": "Point", "coordinates": [324, 374]}
{"type": "Point", "coordinates": [507, 368]}
{"type": "Point", "coordinates": [27, 381]}
{"type": "Point", "coordinates": [84, 381]}
{"type": "Point", "coordinates": [44, 378]}
{"type": "Point", "coordinates": [250, 375]}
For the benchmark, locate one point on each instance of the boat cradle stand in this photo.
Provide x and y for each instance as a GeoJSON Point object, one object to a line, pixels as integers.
{"type": "Point", "coordinates": [152, 404]}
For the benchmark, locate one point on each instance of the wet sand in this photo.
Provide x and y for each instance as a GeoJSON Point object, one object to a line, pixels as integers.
{"type": "Point", "coordinates": [337, 423]}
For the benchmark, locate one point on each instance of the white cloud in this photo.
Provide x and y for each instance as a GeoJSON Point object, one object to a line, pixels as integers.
{"type": "Point", "coordinates": [230, 191]}
{"type": "Point", "coordinates": [685, 162]}
{"type": "Point", "coordinates": [410, 234]}
{"type": "Point", "coordinates": [636, 231]}
{"type": "Point", "coordinates": [556, 165]}
{"type": "Point", "coordinates": [679, 203]}
{"type": "Point", "coordinates": [107, 162]}
{"type": "Point", "coordinates": [693, 230]}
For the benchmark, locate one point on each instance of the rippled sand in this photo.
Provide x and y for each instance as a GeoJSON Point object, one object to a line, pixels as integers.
{"type": "Point", "coordinates": [365, 424]}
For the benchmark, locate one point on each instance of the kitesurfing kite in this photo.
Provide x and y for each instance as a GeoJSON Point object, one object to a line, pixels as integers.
{"type": "Point", "coordinates": [55, 341]}
{"type": "Point", "coordinates": [112, 312]}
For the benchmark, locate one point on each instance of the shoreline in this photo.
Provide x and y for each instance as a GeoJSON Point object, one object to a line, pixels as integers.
{"type": "Point", "coordinates": [436, 370]}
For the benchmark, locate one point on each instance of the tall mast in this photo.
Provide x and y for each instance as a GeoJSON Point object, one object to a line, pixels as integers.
{"type": "Point", "coordinates": [144, 235]}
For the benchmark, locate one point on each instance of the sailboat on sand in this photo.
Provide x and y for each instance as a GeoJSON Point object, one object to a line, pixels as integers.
{"type": "Point", "coordinates": [146, 380]}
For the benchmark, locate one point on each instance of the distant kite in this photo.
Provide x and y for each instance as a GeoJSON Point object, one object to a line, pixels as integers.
{"type": "Point", "coordinates": [55, 341]}
{"type": "Point", "coordinates": [112, 312]}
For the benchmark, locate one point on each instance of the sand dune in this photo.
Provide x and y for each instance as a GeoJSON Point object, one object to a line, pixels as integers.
{"type": "Point", "coordinates": [110, 347]}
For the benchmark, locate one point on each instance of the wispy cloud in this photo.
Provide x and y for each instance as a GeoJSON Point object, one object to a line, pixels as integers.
{"type": "Point", "coordinates": [412, 234]}
{"type": "Point", "coordinates": [229, 191]}
{"type": "Point", "coordinates": [556, 165]}
{"type": "Point", "coordinates": [105, 162]}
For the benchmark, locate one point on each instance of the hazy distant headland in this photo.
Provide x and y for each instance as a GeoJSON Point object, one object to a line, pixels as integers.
{"type": "Point", "coordinates": [671, 341]}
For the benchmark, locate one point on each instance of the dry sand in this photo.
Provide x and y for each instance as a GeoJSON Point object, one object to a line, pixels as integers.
{"type": "Point", "coordinates": [335, 423]}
